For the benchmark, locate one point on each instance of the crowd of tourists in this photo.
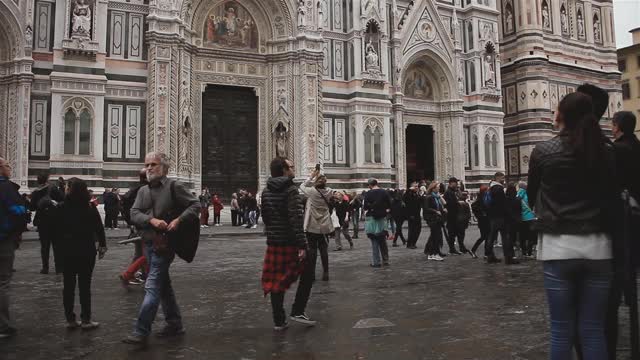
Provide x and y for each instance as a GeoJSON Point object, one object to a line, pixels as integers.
{"type": "Point", "coordinates": [576, 213]}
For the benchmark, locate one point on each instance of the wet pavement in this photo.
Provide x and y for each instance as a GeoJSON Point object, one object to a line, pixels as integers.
{"type": "Point", "coordinates": [414, 309]}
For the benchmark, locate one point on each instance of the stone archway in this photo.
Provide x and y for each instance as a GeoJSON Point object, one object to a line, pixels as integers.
{"type": "Point", "coordinates": [15, 91]}
{"type": "Point", "coordinates": [430, 101]}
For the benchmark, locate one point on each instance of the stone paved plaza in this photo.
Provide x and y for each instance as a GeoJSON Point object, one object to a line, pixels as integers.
{"type": "Point", "coordinates": [458, 309]}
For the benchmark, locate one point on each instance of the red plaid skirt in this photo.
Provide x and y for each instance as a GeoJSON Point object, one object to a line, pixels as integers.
{"type": "Point", "coordinates": [281, 268]}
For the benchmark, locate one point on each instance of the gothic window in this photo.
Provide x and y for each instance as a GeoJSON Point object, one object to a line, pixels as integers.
{"type": "Point", "coordinates": [77, 130]}
{"type": "Point", "coordinates": [470, 35]}
{"type": "Point", "coordinates": [367, 144]}
{"type": "Point", "coordinates": [471, 77]}
{"type": "Point", "coordinates": [476, 151]}
{"type": "Point", "coordinates": [373, 144]}
{"type": "Point", "coordinates": [487, 150]}
{"type": "Point", "coordinates": [494, 150]}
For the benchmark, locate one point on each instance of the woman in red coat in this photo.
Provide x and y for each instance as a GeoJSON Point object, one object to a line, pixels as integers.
{"type": "Point", "coordinates": [217, 208]}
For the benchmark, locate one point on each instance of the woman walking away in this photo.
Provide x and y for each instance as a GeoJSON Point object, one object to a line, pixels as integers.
{"type": "Point", "coordinates": [399, 215]}
{"type": "Point", "coordinates": [480, 212]}
{"type": "Point", "coordinates": [433, 215]}
{"type": "Point", "coordinates": [575, 242]}
{"type": "Point", "coordinates": [377, 205]}
{"type": "Point", "coordinates": [79, 227]}
{"type": "Point", "coordinates": [514, 207]}
{"type": "Point", "coordinates": [526, 234]}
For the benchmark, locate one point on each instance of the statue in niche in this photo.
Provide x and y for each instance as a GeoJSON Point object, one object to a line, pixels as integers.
{"type": "Point", "coordinates": [282, 98]}
{"type": "Point", "coordinates": [564, 21]}
{"type": "Point", "coordinates": [280, 140]}
{"type": "Point", "coordinates": [487, 32]}
{"type": "Point", "coordinates": [371, 56]}
{"type": "Point", "coordinates": [489, 71]}
{"type": "Point", "coordinates": [302, 11]}
{"type": "Point", "coordinates": [366, 5]}
{"type": "Point", "coordinates": [185, 144]}
{"type": "Point", "coordinates": [509, 17]}
{"type": "Point", "coordinates": [580, 25]}
{"type": "Point", "coordinates": [321, 5]}
{"type": "Point", "coordinates": [546, 21]}
{"type": "Point", "coordinates": [81, 19]}
{"type": "Point", "coordinates": [597, 35]}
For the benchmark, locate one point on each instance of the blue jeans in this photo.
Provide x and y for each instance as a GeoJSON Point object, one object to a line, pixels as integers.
{"type": "Point", "coordinates": [378, 248]}
{"type": "Point", "coordinates": [158, 291]}
{"type": "Point", "coordinates": [578, 293]}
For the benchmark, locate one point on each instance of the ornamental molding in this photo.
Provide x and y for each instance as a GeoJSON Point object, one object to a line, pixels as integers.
{"type": "Point", "coordinates": [128, 7]}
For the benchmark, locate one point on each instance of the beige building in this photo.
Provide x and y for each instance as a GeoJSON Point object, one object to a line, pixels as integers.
{"type": "Point", "coordinates": [629, 65]}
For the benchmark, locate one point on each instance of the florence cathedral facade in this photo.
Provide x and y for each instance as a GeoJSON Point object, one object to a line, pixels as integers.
{"type": "Point", "coordinates": [397, 89]}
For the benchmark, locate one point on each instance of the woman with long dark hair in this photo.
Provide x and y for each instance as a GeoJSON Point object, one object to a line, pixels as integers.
{"type": "Point", "coordinates": [575, 242]}
{"type": "Point", "coordinates": [80, 227]}
{"type": "Point", "coordinates": [480, 212]}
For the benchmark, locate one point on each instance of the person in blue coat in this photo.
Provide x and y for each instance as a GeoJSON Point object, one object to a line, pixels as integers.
{"type": "Point", "coordinates": [526, 234]}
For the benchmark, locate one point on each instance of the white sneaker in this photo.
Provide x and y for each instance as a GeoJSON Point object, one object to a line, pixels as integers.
{"type": "Point", "coordinates": [437, 257]}
{"type": "Point", "coordinates": [430, 257]}
{"type": "Point", "coordinates": [303, 319]}
{"type": "Point", "coordinates": [254, 227]}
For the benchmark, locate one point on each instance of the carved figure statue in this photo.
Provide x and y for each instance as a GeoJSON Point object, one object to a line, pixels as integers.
{"type": "Point", "coordinates": [302, 10]}
{"type": "Point", "coordinates": [597, 34]}
{"type": "Point", "coordinates": [280, 137]}
{"type": "Point", "coordinates": [371, 56]}
{"type": "Point", "coordinates": [509, 20]}
{"type": "Point", "coordinates": [81, 19]}
{"type": "Point", "coordinates": [366, 5]}
{"type": "Point", "coordinates": [580, 25]}
{"type": "Point", "coordinates": [546, 21]}
{"type": "Point", "coordinates": [563, 20]}
{"type": "Point", "coordinates": [321, 5]}
{"type": "Point", "coordinates": [489, 72]}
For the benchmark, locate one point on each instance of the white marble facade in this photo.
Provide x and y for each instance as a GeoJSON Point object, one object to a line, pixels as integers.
{"type": "Point", "coordinates": [88, 86]}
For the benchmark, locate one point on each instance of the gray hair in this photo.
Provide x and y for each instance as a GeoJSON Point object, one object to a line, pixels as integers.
{"type": "Point", "coordinates": [164, 159]}
{"type": "Point", "coordinates": [522, 185]}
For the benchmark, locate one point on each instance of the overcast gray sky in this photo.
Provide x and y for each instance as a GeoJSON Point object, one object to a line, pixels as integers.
{"type": "Point", "coordinates": [626, 17]}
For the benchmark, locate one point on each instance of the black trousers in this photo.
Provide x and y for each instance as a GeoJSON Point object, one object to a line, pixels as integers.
{"type": "Point", "coordinates": [80, 269]}
{"type": "Point", "coordinates": [527, 236]}
{"type": "Point", "coordinates": [48, 241]}
{"type": "Point", "coordinates": [318, 243]}
{"type": "Point", "coordinates": [415, 227]}
{"type": "Point", "coordinates": [498, 226]}
{"type": "Point", "coordinates": [216, 218]}
{"type": "Point", "coordinates": [485, 228]}
{"type": "Point", "coordinates": [452, 230]}
{"type": "Point", "coordinates": [399, 222]}
{"type": "Point", "coordinates": [434, 243]}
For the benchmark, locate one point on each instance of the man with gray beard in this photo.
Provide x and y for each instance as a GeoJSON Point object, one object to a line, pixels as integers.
{"type": "Point", "coordinates": [152, 214]}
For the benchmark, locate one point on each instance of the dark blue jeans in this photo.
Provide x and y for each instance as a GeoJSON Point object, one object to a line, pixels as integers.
{"type": "Point", "coordinates": [158, 291]}
{"type": "Point", "coordinates": [577, 292]}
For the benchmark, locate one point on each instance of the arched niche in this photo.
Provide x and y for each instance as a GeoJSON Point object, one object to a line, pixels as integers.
{"type": "Point", "coordinates": [12, 44]}
{"type": "Point", "coordinates": [256, 22]}
{"type": "Point", "coordinates": [426, 79]}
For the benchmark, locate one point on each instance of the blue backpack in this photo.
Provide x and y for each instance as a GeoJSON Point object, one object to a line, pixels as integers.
{"type": "Point", "coordinates": [487, 199]}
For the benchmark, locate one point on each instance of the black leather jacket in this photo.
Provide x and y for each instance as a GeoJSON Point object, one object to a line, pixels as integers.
{"type": "Point", "coordinates": [568, 199]}
{"type": "Point", "coordinates": [283, 213]}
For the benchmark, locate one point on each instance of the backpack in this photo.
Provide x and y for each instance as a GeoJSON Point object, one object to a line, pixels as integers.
{"type": "Point", "coordinates": [487, 199]}
{"type": "Point", "coordinates": [184, 240]}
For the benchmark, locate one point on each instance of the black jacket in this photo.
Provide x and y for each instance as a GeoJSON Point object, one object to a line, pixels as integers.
{"type": "Point", "coordinates": [567, 197]}
{"type": "Point", "coordinates": [451, 198]}
{"type": "Point", "coordinates": [44, 218]}
{"type": "Point", "coordinates": [283, 213]}
{"type": "Point", "coordinates": [413, 204]}
{"type": "Point", "coordinates": [78, 229]}
{"type": "Point", "coordinates": [627, 150]}
{"type": "Point", "coordinates": [341, 208]}
{"type": "Point", "coordinates": [513, 210]}
{"type": "Point", "coordinates": [497, 209]}
{"type": "Point", "coordinates": [398, 209]}
{"type": "Point", "coordinates": [430, 210]}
